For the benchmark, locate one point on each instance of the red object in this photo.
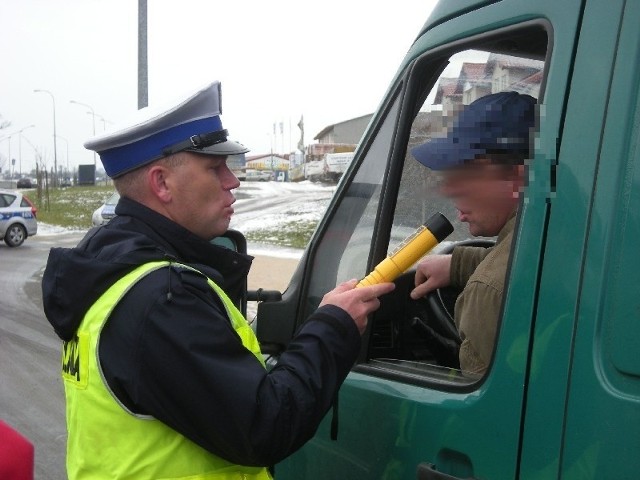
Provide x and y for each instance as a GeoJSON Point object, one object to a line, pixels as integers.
{"type": "Point", "coordinates": [34, 210]}
{"type": "Point", "coordinates": [16, 455]}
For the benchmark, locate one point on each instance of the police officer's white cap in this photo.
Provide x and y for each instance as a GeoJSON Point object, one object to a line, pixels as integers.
{"type": "Point", "coordinates": [190, 123]}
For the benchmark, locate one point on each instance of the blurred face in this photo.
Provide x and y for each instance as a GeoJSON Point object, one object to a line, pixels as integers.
{"type": "Point", "coordinates": [485, 194]}
{"type": "Point", "coordinates": [201, 194]}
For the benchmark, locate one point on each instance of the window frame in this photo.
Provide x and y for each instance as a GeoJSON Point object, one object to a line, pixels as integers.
{"type": "Point", "coordinates": [414, 95]}
{"type": "Point", "coordinates": [362, 152]}
{"type": "Point", "coordinates": [5, 199]}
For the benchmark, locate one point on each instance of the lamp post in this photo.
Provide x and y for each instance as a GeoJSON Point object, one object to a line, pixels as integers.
{"type": "Point", "coordinates": [104, 121]}
{"type": "Point", "coordinates": [8, 137]}
{"type": "Point", "coordinates": [93, 115]}
{"type": "Point", "coordinates": [67, 142]}
{"type": "Point", "coordinates": [38, 156]}
{"type": "Point", "coordinates": [20, 149]}
{"type": "Point", "coordinates": [55, 151]}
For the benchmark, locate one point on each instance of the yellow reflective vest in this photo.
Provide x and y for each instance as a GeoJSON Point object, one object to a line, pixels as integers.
{"type": "Point", "coordinates": [105, 439]}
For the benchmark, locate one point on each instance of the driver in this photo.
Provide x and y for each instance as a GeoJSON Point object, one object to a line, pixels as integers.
{"type": "Point", "coordinates": [481, 163]}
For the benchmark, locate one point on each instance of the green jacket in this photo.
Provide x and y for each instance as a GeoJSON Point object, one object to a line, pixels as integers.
{"type": "Point", "coordinates": [482, 272]}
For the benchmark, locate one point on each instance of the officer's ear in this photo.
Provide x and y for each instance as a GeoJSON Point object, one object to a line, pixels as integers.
{"type": "Point", "coordinates": [157, 177]}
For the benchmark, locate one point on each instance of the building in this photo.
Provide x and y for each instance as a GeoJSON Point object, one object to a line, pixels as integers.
{"type": "Point", "coordinates": [269, 162]}
{"type": "Point", "coordinates": [340, 137]}
{"type": "Point", "coordinates": [471, 83]}
{"type": "Point", "coordinates": [499, 73]}
{"type": "Point", "coordinates": [347, 132]}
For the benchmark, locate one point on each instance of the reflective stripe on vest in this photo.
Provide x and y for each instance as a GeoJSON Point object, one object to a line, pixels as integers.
{"type": "Point", "coordinates": [105, 439]}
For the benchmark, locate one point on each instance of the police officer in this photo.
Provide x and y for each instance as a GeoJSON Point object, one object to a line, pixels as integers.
{"type": "Point", "coordinates": [163, 376]}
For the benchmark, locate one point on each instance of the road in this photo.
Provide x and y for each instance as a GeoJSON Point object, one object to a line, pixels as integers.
{"type": "Point", "coordinates": [31, 393]}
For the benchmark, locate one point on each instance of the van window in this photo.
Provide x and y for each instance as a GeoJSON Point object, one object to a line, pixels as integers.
{"type": "Point", "coordinates": [417, 338]}
{"type": "Point", "coordinates": [343, 250]}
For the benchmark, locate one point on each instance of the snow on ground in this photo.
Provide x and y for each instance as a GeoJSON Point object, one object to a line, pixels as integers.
{"type": "Point", "coordinates": [274, 196]}
{"type": "Point", "coordinates": [260, 206]}
{"type": "Point", "coordinates": [273, 205]}
{"type": "Point", "coordinates": [267, 250]}
{"type": "Point", "coordinates": [46, 230]}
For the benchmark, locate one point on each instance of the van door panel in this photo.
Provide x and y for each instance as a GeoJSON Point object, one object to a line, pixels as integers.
{"type": "Point", "coordinates": [557, 313]}
{"type": "Point", "coordinates": [602, 426]}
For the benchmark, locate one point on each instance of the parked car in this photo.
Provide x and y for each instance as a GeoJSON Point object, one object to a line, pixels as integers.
{"type": "Point", "coordinates": [17, 218]}
{"type": "Point", "coordinates": [24, 183]}
{"type": "Point", "coordinates": [106, 211]}
{"type": "Point", "coordinates": [258, 176]}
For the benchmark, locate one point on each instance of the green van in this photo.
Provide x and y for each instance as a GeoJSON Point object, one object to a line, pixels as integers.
{"type": "Point", "coordinates": [561, 398]}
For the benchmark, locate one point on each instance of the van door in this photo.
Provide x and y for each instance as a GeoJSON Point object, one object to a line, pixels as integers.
{"type": "Point", "coordinates": [400, 410]}
{"type": "Point", "coordinates": [586, 380]}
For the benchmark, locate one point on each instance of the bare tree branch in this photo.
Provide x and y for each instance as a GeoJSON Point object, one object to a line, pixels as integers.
{"type": "Point", "coordinates": [4, 123]}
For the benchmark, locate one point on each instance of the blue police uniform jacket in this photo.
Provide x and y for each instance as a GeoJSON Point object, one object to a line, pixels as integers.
{"type": "Point", "coordinates": [168, 349]}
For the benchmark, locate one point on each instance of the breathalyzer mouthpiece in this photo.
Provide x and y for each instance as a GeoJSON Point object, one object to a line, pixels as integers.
{"type": "Point", "coordinates": [434, 230]}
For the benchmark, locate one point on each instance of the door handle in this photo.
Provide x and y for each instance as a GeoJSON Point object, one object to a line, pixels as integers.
{"type": "Point", "coordinates": [427, 471]}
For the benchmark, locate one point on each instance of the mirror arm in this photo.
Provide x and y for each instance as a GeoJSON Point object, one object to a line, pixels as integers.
{"type": "Point", "coordinates": [262, 295]}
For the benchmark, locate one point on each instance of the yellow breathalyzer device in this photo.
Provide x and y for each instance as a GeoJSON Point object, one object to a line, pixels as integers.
{"type": "Point", "coordinates": [434, 230]}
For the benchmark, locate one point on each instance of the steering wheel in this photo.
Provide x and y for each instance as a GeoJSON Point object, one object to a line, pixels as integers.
{"type": "Point", "coordinates": [441, 301]}
{"type": "Point", "coordinates": [441, 329]}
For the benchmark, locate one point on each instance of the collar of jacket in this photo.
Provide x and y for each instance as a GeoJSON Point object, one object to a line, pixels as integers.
{"type": "Point", "coordinates": [507, 228]}
{"type": "Point", "coordinates": [219, 263]}
{"type": "Point", "coordinates": [136, 236]}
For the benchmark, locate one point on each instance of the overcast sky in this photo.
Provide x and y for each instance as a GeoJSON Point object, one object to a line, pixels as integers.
{"type": "Point", "coordinates": [277, 60]}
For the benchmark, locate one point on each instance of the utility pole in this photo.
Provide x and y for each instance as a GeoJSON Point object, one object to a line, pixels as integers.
{"type": "Point", "coordinates": [93, 115]}
{"type": "Point", "coordinates": [20, 148]}
{"type": "Point", "coordinates": [143, 72]}
{"type": "Point", "coordinates": [55, 150]}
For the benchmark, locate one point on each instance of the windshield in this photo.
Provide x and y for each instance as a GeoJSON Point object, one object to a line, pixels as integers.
{"type": "Point", "coordinates": [113, 199]}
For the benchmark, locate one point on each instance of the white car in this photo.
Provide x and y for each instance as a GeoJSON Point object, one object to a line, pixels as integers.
{"type": "Point", "coordinates": [17, 218]}
{"type": "Point", "coordinates": [258, 176]}
{"type": "Point", "coordinates": [106, 211]}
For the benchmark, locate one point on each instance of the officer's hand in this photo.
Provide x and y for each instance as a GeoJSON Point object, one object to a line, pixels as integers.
{"type": "Point", "coordinates": [357, 302]}
{"type": "Point", "coordinates": [433, 272]}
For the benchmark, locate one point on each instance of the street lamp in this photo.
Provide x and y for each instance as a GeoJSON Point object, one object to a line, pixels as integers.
{"type": "Point", "coordinates": [20, 148]}
{"type": "Point", "coordinates": [8, 137]}
{"type": "Point", "coordinates": [35, 151]}
{"type": "Point", "coordinates": [104, 121]}
{"type": "Point", "coordinates": [55, 152]}
{"type": "Point", "coordinates": [93, 115]}
{"type": "Point", "coordinates": [67, 142]}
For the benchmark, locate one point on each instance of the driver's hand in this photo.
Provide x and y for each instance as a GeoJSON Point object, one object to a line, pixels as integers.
{"type": "Point", "coordinates": [433, 272]}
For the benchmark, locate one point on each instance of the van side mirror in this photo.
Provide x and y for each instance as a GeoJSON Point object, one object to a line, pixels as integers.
{"type": "Point", "coordinates": [233, 240]}
{"type": "Point", "coordinates": [236, 241]}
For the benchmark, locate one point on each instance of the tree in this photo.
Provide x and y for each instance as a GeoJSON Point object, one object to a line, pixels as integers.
{"type": "Point", "coordinates": [4, 123]}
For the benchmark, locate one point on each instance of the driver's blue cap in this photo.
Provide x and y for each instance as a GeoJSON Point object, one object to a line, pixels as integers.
{"type": "Point", "coordinates": [497, 123]}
